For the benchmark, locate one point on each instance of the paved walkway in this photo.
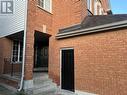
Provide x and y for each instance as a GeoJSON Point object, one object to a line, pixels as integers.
{"type": "Point", "coordinates": [4, 91]}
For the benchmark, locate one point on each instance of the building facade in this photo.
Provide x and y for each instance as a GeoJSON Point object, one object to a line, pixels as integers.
{"type": "Point", "coordinates": [95, 67]}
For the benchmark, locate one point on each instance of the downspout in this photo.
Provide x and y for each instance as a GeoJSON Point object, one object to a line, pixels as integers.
{"type": "Point", "coordinates": [24, 46]}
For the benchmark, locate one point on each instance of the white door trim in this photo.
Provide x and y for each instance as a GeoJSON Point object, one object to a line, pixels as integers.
{"type": "Point", "coordinates": [78, 92]}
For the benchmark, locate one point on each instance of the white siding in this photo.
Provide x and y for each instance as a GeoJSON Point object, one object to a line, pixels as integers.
{"type": "Point", "coordinates": [12, 23]}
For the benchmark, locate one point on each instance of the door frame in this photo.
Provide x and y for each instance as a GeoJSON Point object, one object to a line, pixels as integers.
{"type": "Point", "coordinates": [61, 64]}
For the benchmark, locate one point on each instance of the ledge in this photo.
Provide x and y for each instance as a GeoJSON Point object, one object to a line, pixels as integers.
{"type": "Point", "coordinates": [96, 29]}
{"type": "Point", "coordinates": [44, 10]}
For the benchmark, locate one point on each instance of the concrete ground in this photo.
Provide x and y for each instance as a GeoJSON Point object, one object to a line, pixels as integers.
{"type": "Point", "coordinates": [5, 91]}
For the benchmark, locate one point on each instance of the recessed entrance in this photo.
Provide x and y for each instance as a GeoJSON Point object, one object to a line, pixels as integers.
{"type": "Point", "coordinates": [41, 52]}
{"type": "Point", "coordinates": [67, 69]}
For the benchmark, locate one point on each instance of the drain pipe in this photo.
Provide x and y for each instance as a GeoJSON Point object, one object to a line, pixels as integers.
{"type": "Point", "coordinates": [24, 46]}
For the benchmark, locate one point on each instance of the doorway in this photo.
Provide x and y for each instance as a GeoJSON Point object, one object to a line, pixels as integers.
{"type": "Point", "coordinates": [67, 69]}
{"type": "Point", "coordinates": [41, 46]}
{"type": "Point", "coordinates": [41, 60]}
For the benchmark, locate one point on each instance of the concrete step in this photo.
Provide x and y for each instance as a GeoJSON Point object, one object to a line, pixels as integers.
{"type": "Point", "coordinates": [65, 92]}
{"type": "Point", "coordinates": [43, 85]}
{"type": "Point", "coordinates": [41, 69]}
{"type": "Point", "coordinates": [44, 89]}
{"type": "Point", "coordinates": [38, 82]}
{"type": "Point", "coordinates": [46, 84]}
{"type": "Point", "coordinates": [48, 93]}
{"type": "Point", "coordinates": [41, 77]}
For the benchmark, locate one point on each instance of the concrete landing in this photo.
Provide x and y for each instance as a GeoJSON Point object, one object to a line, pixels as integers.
{"type": "Point", "coordinates": [5, 91]}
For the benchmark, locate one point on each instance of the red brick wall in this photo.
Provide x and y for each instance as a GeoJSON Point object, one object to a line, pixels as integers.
{"type": "Point", "coordinates": [100, 62]}
{"type": "Point", "coordinates": [43, 18]}
{"type": "Point", "coordinates": [8, 68]}
{"type": "Point", "coordinates": [6, 52]}
{"type": "Point", "coordinates": [65, 14]}
{"type": "Point", "coordinates": [36, 18]}
{"type": "Point", "coordinates": [29, 55]}
{"type": "Point", "coordinates": [1, 55]}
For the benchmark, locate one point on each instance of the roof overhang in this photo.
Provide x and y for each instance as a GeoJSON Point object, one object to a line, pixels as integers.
{"type": "Point", "coordinates": [96, 29]}
{"type": "Point", "coordinates": [41, 38]}
{"type": "Point", "coordinates": [16, 36]}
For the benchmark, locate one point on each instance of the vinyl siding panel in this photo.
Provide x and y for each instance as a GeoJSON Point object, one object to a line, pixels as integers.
{"type": "Point", "coordinates": [12, 23]}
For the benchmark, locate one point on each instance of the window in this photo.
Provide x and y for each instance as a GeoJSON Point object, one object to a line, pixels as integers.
{"type": "Point", "coordinates": [98, 10]}
{"type": "Point", "coordinates": [95, 7]}
{"type": "Point", "coordinates": [89, 5]}
{"type": "Point", "coordinates": [45, 4]}
{"type": "Point", "coordinates": [17, 51]}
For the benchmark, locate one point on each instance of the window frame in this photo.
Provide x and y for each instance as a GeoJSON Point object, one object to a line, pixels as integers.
{"type": "Point", "coordinates": [19, 55]}
{"type": "Point", "coordinates": [44, 5]}
{"type": "Point", "coordinates": [98, 10]}
{"type": "Point", "coordinates": [95, 7]}
{"type": "Point", "coordinates": [89, 5]}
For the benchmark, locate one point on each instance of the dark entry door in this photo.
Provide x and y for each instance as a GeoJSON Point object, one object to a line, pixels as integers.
{"type": "Point", "coordinates": [67, 74]}
{"type": "Point", "coordinates": [42, 57]}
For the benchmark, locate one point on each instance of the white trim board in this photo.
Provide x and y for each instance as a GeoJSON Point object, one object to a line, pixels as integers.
{"type": "Point", "coordinates": [83, 93]}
